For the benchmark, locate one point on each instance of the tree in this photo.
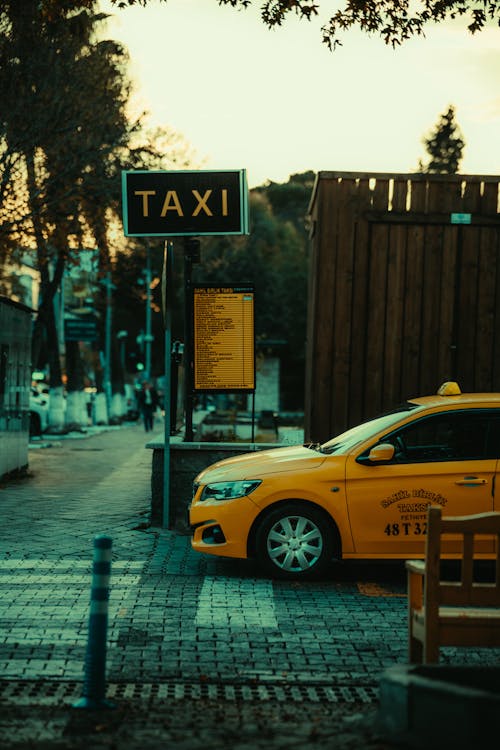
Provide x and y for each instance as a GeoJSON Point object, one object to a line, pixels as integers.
{"type": "Point", "coordinates": [290, 200]}
{"type": "Point", "coordinates": [274, 258]}
{"type": "Point", "coordinates": [59, 174]}
{"type": "Point", "coordinates": [60, 166]}
{"type": "Point", "coordinates": [444, 146]}
{"type": "Point", "coordinates": [394, 20]}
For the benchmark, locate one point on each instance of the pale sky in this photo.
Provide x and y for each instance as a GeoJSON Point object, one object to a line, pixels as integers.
{"type": "Point", "coordinates": [279, 102]}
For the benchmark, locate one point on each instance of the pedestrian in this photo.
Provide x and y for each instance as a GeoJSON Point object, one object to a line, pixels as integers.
{"type": "Point", "coordinates": [148, 402]}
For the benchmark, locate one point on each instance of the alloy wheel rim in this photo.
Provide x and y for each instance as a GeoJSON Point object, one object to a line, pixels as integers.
{"type": "Point", "coordinates": [294, 544]}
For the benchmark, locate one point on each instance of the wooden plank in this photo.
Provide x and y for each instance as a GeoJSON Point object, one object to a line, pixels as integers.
{"type": "Point", "coordinates": [412, 328]}
{"type": "Point", "coordinates": [376, 321]}
{"type": "Point", "coordinates": [380, 194]}
{"type": "Point", "coordinates": [323, 338]}
{"type": "Point", "coordinates": [312, 315]}
{"type": "Point", "coordinates": [467, 306]}
{"type": "Point", "coordinates": [420, 217]}
{"type": "Point", "coordinates": [360, 309]}
{"type": "Point", "coordinates": [413, 176]}
{"type": "Point", "coordinates": [375, 353]}
{"type": "Point", "coordinates": [444, 197]}
{"type": "Point", "coordinates": [485, 320]}
{"type": "Point", "coordinates": [418, 196]}
{"type": "Point", "coordinates": [430, 309]}
{"type": "Point", "coordinates": [471, 200]}
{"type": "Point", "coordinates": [399, 196]}
{"type": "Point", "coordinates": [489, 199]}
{"type": "Point", "coordinates": [396, 276]}
{"type": "Point", "coordinates": [445, 329]}
{"type": "Point", "coordinates": [438, 291]}
{"type": "Point", "coordinates": [343, 284]}
{"type": "Point", "coordinates": [496, 323]}
{"type": "Point", "coordinates": [412, 331]}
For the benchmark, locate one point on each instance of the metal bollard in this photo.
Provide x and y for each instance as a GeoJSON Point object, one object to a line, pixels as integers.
{"type": "Point", "coordinates": [94, 685]}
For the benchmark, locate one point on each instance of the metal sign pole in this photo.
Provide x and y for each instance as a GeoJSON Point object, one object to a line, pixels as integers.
{"type": "Point", "coordinates": [191, 255]}
{"type": "Point", "coordinates": [253, 416]}
{"type": "Point", "coordinates": [167, 307]}
{"type": "Point", "coordinates": [148, 337]}
{"type": "Point", "coordinates": [188, 380]}
{"type": "Point", "coordinates": [107, 345]}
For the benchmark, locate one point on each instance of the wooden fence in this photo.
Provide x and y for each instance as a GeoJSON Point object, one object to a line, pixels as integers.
{"type": "Point", "coordinates": [404, 292]}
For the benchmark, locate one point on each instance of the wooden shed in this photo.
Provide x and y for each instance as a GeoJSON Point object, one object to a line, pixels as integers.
{"type": "Point", "coordinates": [15, 382]}
{"type": "Point", "coordinates": [404, 292]}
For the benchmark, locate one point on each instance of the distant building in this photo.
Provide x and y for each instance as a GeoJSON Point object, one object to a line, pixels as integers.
{"type": "Point", "coordinates": [15, 381]}
{"type": "Point", "coordinates": [21, 280]}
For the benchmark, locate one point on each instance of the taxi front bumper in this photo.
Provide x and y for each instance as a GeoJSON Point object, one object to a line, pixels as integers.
{"type": "Point", "coordinates": [222, 527]}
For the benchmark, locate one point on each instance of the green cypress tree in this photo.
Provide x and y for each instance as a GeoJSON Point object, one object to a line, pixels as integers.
{"type": "Point", "coordinates": [444, 146]}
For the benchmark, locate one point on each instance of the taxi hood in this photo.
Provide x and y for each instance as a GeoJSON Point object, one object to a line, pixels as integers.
{"type": "Point", "coordinates": [261, 463]}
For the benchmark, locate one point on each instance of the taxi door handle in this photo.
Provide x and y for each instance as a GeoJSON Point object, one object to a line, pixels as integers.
{"type": "Point", "coordinates": [471, 481]}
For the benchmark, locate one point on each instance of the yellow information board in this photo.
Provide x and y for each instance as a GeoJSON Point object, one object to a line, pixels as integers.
{"type": "Point", "coordinates": [224, 342]}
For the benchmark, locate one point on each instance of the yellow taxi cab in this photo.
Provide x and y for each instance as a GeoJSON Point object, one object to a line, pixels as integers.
{"type": "Point", "coordinates": [362, 495]}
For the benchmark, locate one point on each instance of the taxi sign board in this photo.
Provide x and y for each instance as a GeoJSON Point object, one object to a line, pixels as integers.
{"type": "Point", "coordinates": [184, 203]}
{"type": "Point", "coordinates": [224, 341]}
{"type": "Point", "coordinates": [80, 329]}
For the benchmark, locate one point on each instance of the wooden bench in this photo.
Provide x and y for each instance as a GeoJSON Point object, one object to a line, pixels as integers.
{"type": "Point", "coordinates": [452, 613]}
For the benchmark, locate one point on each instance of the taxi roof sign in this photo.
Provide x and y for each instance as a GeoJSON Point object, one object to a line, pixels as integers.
{"type": "Point", "coordinates": [449, 388]}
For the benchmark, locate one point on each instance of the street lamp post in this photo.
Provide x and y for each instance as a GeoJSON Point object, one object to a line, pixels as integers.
{"type": "Point", "coordinates": [122, 338]}
{"type": "Point", "coordinates": [148, 338]}
{"type": "Point", "coordinates": [176, 358]}
{"type": "Point", "coordinates": [107, 354]}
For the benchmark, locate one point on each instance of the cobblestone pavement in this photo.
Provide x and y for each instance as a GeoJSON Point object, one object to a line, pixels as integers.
{"type": "Point", "coordinates": [201, 652]}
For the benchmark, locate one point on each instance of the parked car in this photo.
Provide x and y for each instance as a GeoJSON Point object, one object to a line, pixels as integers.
{"type": "Point", "coordinates": [39, 411]}
{"type": "Point", "coordinates": [132, 411]}
{"type": "Point", "coordinates": [362, 495]}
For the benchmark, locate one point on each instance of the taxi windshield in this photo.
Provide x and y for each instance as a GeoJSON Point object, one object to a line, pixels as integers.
{"type": "Point", "coordinates": [349, 439]}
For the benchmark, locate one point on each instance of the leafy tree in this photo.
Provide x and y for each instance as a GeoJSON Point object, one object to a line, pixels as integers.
{"type": "Point", "coordinates": [75, 95]}
{"type": "Point", "coordinates": [157, 148]}
{"type": "Point", "coordinates": [130, 299]}
{"type": "Point", "coordinates": [66, 155]}
{"type": "Point", "coordinates": [273, 257]}
{"type": "Point", "coordinates": [289, 201]}
{"type": "Point", "coordinates": [444, 145]}
{"type": "Point", "coordinates": [394, 20]}
{"type": "Point", "coordinates": [64, 139]}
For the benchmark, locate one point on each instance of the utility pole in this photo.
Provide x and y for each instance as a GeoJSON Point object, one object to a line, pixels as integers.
{"type": "Point", "coordinates": [191, 255]}
{"type": "Point", "coordinates": [148, 338]}
{"type": "Point", "coordinates": [167, 314]}
{"type": "Point", "coordinates": [122, 338]}
{"type": "Point", "coordinates": [107, 343]}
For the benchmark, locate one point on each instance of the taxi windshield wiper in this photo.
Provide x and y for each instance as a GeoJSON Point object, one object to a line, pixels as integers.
{"type": "Point", "coordinates": [313, 446]}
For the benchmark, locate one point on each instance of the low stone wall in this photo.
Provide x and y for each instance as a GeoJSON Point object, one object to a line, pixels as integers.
{"type": "Point", "coordinates": [186, 461]}
{"type": "Point", "coordinates": [440, 706]}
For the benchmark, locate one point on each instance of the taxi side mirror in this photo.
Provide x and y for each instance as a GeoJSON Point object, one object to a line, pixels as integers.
{"type": "Point", "coordinates": [381, 453]}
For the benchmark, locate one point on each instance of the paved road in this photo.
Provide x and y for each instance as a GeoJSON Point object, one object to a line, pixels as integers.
{"type": "Point", "coordinates": [174, 614]}
{"type": "Point", "coordinates": [181, 625]}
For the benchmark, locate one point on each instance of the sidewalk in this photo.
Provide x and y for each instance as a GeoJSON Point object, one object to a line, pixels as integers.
{"type": "Point", "coordinates": [201, 653]}
{"type": "Point", "coordinates": [191, 724]}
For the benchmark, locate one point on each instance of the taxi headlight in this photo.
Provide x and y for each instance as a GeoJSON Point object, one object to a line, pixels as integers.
{"type": "Point", "coordinates": [229, 490]}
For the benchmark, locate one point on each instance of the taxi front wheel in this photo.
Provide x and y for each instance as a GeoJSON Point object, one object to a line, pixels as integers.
{"type": "Point", "coordinates": [294, 541]}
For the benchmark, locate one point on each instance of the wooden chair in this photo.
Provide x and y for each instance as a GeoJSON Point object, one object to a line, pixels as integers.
{"type": "Point", "coordinates": [452, 613]}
